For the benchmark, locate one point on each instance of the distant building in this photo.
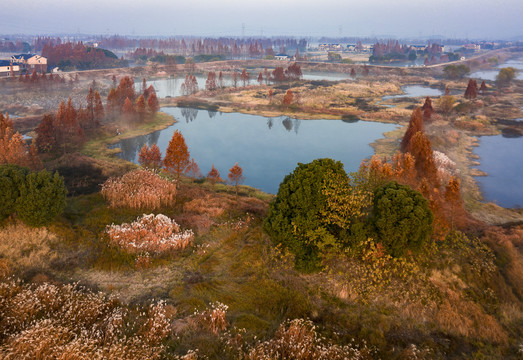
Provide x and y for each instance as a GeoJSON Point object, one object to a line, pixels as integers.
{"type": "Point", "coordinates": [282, 57]}
{"type": "Point", "coordinates": [329, 47]}
{"type": "Point", "coordinates": [30, 62]}
{"type": "Point", "coordinates": [8, 69]}
{"type": "Point", "coordinates": [472, 47]}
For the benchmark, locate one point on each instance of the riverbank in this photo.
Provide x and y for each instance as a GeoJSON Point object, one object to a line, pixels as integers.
{"type": "Point", "coordinates": [98, 148]}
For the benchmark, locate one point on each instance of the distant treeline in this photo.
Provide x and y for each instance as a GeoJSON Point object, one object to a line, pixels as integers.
{"type": "Point", "coordinates": [77, 56]}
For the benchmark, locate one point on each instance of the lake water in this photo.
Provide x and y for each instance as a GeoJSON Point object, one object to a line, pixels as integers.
{"type": "Point", "coordinates": [491, 74]}
{"type": "Point", "coordinates": [172, 86]}
{"type": "Point", "coordinates": [414, 91]}
{"type": "Point", "coordinates": [501, 158]}
{"type": "Point", "coordinates": [266, 148]}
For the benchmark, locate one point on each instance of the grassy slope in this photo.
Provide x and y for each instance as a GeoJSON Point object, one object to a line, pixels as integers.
{"type": "Point", "coordinates": [458, 299]}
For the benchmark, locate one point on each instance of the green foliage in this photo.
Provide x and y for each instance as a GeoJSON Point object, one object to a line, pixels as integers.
{"type": "Point", "coordinates": [208, 58]}
{"type": "Point", "coordinates": [505, 76]}
{"type": "Point", "coordinates": [334, 57]}
{"type": "Point", "coordinates": [401, 218]}
{"type": "Point", "coordinates": [42, 198]}
{"type": "Point", "coordinates": [11, 178]}
{"type": "Point", "coordinates": [456, 71]}
{"type": "Point", "coordinates": [295, 216]}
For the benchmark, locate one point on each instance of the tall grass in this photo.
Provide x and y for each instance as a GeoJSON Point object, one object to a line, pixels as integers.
{"type": "Point", "coordinates": [140, 189]}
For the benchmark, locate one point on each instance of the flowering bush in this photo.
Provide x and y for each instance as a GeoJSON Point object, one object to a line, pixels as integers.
{"type": "Point", "coordinates": [213, 318]}
{"type": "Point", "coordinates": [298, 339]}
{"type": "Point", "coordinates": [139, 189]}
{"type": "Point", "coordinates": [155, 234]}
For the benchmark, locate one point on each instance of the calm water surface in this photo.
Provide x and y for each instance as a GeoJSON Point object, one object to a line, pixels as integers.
{"type": "Point", "coordinates": [415, 91]}
{"type": "Point", "coordinates": [172, 86]}
{"type": "Point", "coordinates": [501, 158]}
{"type": "Point", "coordinates": [266, 148]}
{"type": "Point", "coordinates": [491, 74]}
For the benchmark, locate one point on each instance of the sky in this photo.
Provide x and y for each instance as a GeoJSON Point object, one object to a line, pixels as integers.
{"type": "Point", "coordinates": [474, 19]}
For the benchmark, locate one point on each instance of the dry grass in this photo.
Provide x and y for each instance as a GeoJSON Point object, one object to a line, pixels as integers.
{"type": "Point", "coordinates": [24, 247]}
{"type": "Point", "coordinates": [63, 322]}
{"type": "Point", "coordinates": [299, 340]}
{"type": "Point", "coordinates": [139, 189]}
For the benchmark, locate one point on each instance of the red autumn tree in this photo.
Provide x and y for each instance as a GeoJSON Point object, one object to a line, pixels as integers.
{"type": "Point", "coordinates": [415, 125]}
{"type": "Point", "coordinates": [12, 147]}
{"type": "Point", "coordinates": [213, 176]}
{"type": "Point", "coordinates": [125, 90]}
{"type": "Point", "coordinates": [271, 95]}
{"type": "Point", "coordinates": [128, 108]}
{"type": "Point", "coordinates": [278, 74]}
{"type": "Point", "coordinates": [236, 176]}
{"type": "Point", "coordinates": [46, 134]}
{"type": "Point", "coordinates": [294, 71]}
{"type": "Point", "coordinates": [99, 112]}
{"type": "Point", "coordinates": [153, 104]}
{"type": "Point", "coordinates": [352, 73]}
{"type": "Point", "coordinates": [210, 83]}
{"type": "Point", "coordinates": [287, 99]}
{"type": "Point", "coordinates": [140, 109]}
{"type": "Point", "coordinates": [471, 91]}
{"type": "Point", "coordinates": [112, 104]}
{"type": "Point", "coordinates": [427, 109]}
{"type": "Point", "coordinates": [177, 155]}
{"type": "Point", "coordinates": [245, 77]}
{"type": "Point", "coordinates": [150, 157]}
{"type": "Point", "coordinates": [260, 78]}
{"type": "Point", "coordinates": [421, 148]}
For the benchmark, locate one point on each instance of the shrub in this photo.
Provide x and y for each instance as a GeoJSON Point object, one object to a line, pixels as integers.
{"type": "Point", "coordinates": [401, 218]}
{"type": "Point", "coordinates": [11, 178]}
{"type": "Point", "coordinates": [155, 234]}
{"type": "Point", "coordinates": [42, 198]}
{"type": "Point", "coordinates": [294, 219]}
{"type": "Point", "coordinates": [139, 189]}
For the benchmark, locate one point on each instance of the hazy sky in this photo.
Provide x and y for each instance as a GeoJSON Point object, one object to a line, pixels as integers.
{"type": "Point", "coordinates": [452, 18]}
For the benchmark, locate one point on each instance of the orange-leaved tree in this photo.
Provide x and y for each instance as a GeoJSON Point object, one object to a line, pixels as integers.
{"type": "Point", "coordinates": [177, 155]}
{"type": "Point", "coordinates": [415, 125]}
{"type": "Point", "coordinates": [287, 99]}
{"type": "Point", "coordinates": [214, 176]}
{"type": "Point", "coordinates": [150, 157]}
{"type": "Point", "coordinates": [236, 176]}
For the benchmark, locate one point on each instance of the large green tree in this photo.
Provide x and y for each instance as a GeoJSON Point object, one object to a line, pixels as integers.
{"type": "Point", "coordinates": [42, 198]}
{"type": "Point", "coordinates": [296, 216]}
{"type": "Point", "coordinates": [11, 179]}
{"type": "Point", "coordinates": [401, 218]}
{"type": "Point", "coordinates": [505, 76]}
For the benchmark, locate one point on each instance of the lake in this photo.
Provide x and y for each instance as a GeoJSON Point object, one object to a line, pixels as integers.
{"type": "Point", "coordinates": [501, 158]}
{"type": "Point", "coordinates": [491, 74]}
{"type": "Point", "coordinates": [172, 86]}
{"type": "Point", "coordinates": [266, 148]}
{"type": "Point", "coordinates": [414, 91]}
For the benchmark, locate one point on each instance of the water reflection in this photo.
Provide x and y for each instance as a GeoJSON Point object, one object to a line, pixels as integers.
{"type": "Point", "coordinates": [190, 114]}
{"type": "Point", "coordinates": [287, 123]}
{"type": "Point", "coordinates": [266, 153]}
